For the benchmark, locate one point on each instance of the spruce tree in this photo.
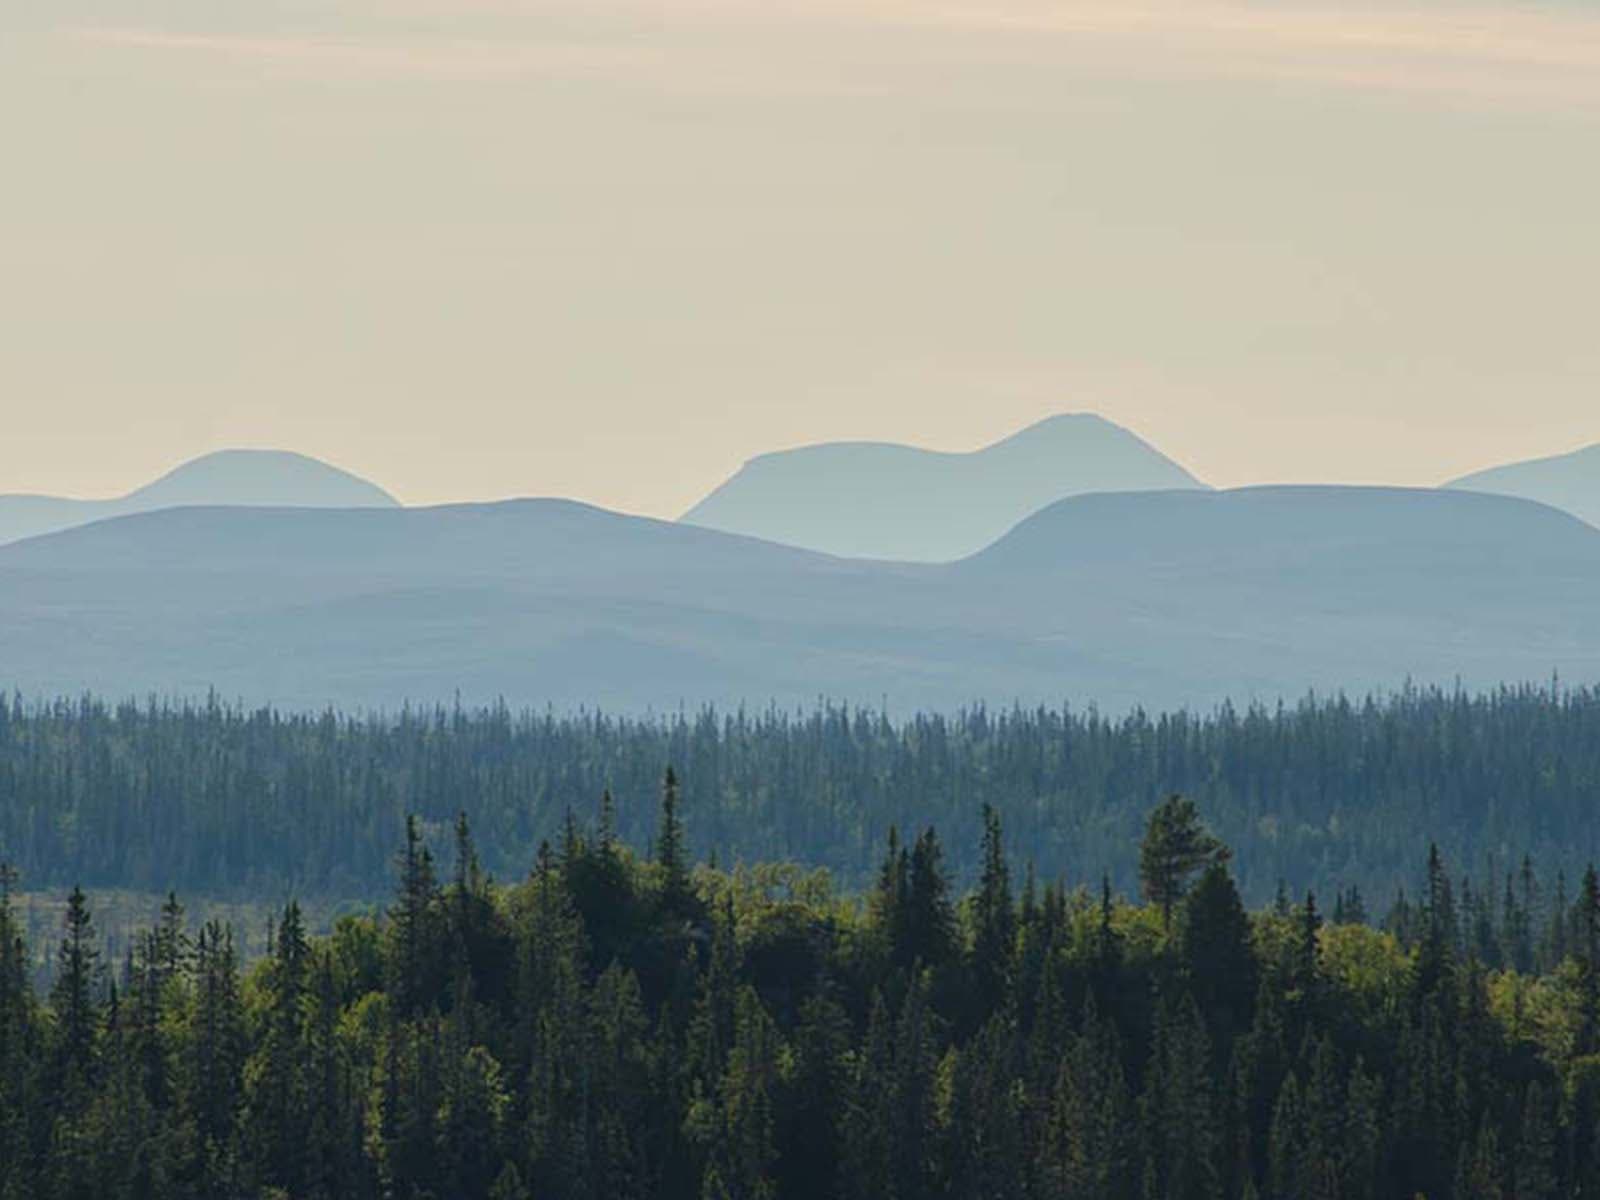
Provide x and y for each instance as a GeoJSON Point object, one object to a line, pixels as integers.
{"type": "Point", "coordinates": [416, 975]}
{"type": "Point", "coordinates": [73, 996]}
{"type": "Point", "coordinates": [930, 922]}
{"type": "Point", "coordinates": [1588, 924]}
{"type": "Point", "coordinates": [677, 897]}
{"type": "Point", "coordinates": [1178, 1106]}
{"type": "Point", "coordinates": [1219, 963]}
{"type": "Point", "coordinates": [1363, 1133]}
{"type": "Point", "coordinates": [809, 1138]}
{"type": "Point", "coordinates": [914, 1101]}
{"type": "Point", "coordinates": [994, 923]}
{"type": "Point", "coordinates": [867, 1167]}
{"type": "Point", "coordinates": [18, 1058]}
{"type": "Point", "coordinates": [276, 1093]}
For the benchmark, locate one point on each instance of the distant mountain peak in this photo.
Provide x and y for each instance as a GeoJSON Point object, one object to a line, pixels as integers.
{"type": "Point", "coordinates": [1062, 422]}
{"type": "Point", "coordinates": [253, 476]}
{"type": "Point", "coordinates": [1568, 481]}
{"type": "Point", "coordinates": [894, 501]}
{"type": "Point", "coordinates": [230, 478]}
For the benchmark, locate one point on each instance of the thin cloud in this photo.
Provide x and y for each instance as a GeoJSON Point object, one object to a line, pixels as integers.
{"type": "Point", "coordinates": [441, 58]}
{"type": "Point", "coordinates": [1479, 52]}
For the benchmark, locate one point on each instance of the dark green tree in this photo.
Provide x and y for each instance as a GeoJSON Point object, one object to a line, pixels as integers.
{"type": "Point", "coordinates": [677, 897]}
{"type": "Point", "coordinates": [72, 999]}
{"type": "Point", "coordinates": [1176, 845]}
{"type": "Point", "coordinates": [994, 922]}
{"type": "Point", "coordinates": [1218, 961]}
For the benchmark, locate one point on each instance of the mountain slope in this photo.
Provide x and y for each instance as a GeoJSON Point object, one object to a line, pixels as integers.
{"type": "Point", "coordinates": [1159, 599]}
{"type": "Point", "coordinates": [879, 500]}
{"type": "Point", "coordinates": [1566, 481]}
{"type": "Point", "coordinates": [233, 477]}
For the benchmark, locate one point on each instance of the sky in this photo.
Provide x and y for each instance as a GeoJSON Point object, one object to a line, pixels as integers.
{"type": "Point", "coordinates": [611, 249]}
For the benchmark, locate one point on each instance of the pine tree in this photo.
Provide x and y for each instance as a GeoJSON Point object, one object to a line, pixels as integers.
{"type": "Point", "coordinates": [1175, 846]}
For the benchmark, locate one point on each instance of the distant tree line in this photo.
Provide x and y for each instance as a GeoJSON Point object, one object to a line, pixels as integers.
{"type": "Point", "coordinates": [619, 1028]}
{"type": "Point", "coordinates": [1327, 794]}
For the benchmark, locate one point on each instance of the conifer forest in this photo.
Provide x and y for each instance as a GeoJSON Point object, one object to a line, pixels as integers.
{"type": "Point", "coordinates": [1331, 793]}
{"type": "Point", "coordinates": [618, 1024]}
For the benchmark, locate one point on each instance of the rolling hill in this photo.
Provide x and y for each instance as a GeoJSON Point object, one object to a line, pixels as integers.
{"type": "Point", "coordinates": [1159, 599]}
{"type": "Point", "coordinates": [231, 477]}
{"type": "Point", "coordinates": [880, 500]}
{"type": "Point", "coordinates": [1566, 481]}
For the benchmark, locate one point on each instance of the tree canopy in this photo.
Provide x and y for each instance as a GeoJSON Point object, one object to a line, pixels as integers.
{"type": "Point", "coordinates": [580, 1033]}
{"type": "Point", "coordinates": [1330, 794]}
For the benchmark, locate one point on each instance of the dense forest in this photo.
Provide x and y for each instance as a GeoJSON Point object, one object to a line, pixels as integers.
{"type": "Point", "coordinates": [1327, 794]}
{"type": "Point", "coordinates": [614, 1027]}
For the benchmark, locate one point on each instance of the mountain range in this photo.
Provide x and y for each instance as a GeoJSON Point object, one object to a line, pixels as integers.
{"type": "Point", "coordinates": [1070, 561]}
{"type": "Point", "coordinates": [1566, 481]}
{"type": "Point", "coordinates": [852, 499]}
{"type": "Point", "coordinates": [1154, 598]}
{"type": "Point", "coordinates": [233, 477]}
{"type": "Point", "coordinates": [883, 500]}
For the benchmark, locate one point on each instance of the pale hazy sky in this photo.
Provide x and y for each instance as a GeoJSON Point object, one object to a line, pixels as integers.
{"type": "Point", "coordinates": [609, 249]}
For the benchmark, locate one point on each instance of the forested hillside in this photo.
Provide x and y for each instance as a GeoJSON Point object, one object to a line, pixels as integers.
{"type": "Point", "coordinates": [1326, 795]}
{"type": "Point", "coordinates": [613, 1028]}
